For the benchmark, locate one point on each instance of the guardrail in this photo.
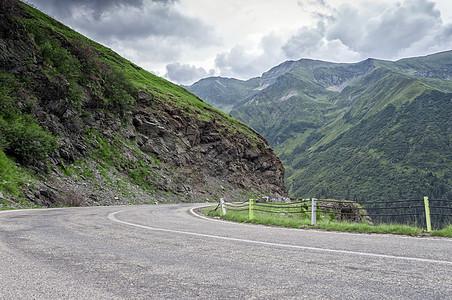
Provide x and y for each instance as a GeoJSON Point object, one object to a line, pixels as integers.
{"type": "Point", "coordinates": [431, 212]}
{"type": "Point", "coordinates": [397, 210]}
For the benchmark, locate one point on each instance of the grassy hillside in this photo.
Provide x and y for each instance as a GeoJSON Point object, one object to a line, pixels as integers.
{"type": "Point", "coordinates": [396, 153]}
{"type": "Point", "coordinates": [75, 56]}
{"type": "Point", "coordinates": [80, 122]}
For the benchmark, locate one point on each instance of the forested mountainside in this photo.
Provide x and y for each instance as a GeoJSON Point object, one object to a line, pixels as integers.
{"type": "Point", "coordinates": [80, 125]}
{"type": "Point", "coordinates": [369, 130]}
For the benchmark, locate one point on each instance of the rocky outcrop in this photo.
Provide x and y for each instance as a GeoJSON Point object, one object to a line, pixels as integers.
{"type": "Point", "coordinates": [206, 149]}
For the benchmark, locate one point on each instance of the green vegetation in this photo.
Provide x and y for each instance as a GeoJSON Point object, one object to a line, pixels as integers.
{"type": "Point", "coordinates": [81, 65]}
{"type": "Point", "coordinates": [324, 221]}
{"type": "Point", "coordinates": [62, 95]}
{"type": "Point", "coordinates": [226, 91]}
{"type": "Point", "coordinates": [20, 136]}
{"type": "Point", "coordinates": [81, 60]}
{"type": "Point", "coordinates": [371, 130]}
{"type": "Point", "coordinates": [390, 155]}
{"type": "Point", "coordinates": [140, 169]}
{"type": "Point", "coordinates": [12, 177]}
{"type": "Point", "coordinates": [111, 78]}
{"type": "Point", "coordinates": [363, 227]}
{"type": "Point", "coordinates": [447, 231]}
{"type": "Point", "coordinates": [262, 218]}
{"type": "Point", "coordinates": [22, 140]}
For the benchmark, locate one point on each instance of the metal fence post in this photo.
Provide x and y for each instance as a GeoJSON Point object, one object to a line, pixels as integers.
{"type": "Point", "coordinates": [223, 207]}
{"type": "Point", "coordinates": [313, 211]}
{"type": "Point", "coordinates": [427, 215]}
{"type": "Point", "coordinates": [251, 209]}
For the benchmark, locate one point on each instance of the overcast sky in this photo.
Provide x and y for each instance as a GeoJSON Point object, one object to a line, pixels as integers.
{"type": "Point", "coordinates": [185, 40]}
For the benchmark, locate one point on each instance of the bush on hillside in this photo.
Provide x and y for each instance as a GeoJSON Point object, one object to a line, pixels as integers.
{"type": "Point", "coordinates": [20, 136]}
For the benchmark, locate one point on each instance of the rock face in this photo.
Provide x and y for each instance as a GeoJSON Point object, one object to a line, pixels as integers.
{"type": "Point", "coordinates": [151, 148]}
{"type": "Point", "coordinates": [204, 150]}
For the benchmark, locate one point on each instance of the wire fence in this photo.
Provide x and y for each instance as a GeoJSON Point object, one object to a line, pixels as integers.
{"type": "Point", "coordinates": [411, 211]}
{"type": "Point", "coordinates": [426, 213]}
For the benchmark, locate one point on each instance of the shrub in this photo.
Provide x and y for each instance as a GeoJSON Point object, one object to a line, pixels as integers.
{"type": "Point", "coordinates": [119, 91]}
{"type": "Point", "coordinates": [27, 141]}
{"type": "Point", "coordinates": [20, 136]}
{"type": "Point", "coordinates": [11, 177]}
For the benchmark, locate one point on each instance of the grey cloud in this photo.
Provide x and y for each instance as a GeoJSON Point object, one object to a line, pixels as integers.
{"type": "Point", "coordinates": [372, 30]}
{"type": "Point", "coordinates": [64, 8]}
{"type": "Point", "coordinates": [185, 74]}
{"type": "Point", "coordinates": [347, 25]}
{"type": "Point", "coordinates": [144, 31]}
{"type": "Point", "coordinates": [439, 40]}
{"type": "Point", "coordinates": [384, 31]}
{"type": "Point", "coordinates": [303, 42]}
{"type": "Point", "coordinates": [151, 49]}
{"type": "Point", "coordinates": [236, 63]}
{"type": "Point", "coordinates": [445, 36]}
{"type": "Point", "coordinates": [270, 44]}
{"type": "Point", "coordinates": [400, 27]}
{"type": "Point", "coordinates": [317, 8]}
{"type": "Point", "coordinates": [313, 4]}
{"type": "Point", "coordinates": [104, 20]}
{"type": "Point", "coordinates": [152, 20]}
{"type": "Point", "coordinates": [239, 62]}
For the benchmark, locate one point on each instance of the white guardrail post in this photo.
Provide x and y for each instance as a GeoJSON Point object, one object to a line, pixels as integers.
{"type": "Point", "coordinates": [223, 207]}
{"type": "Point", "coordinates": [313, 211]}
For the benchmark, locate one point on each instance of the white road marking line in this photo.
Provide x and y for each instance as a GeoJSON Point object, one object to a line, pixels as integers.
{"type": "Point", "coordinates": [114, 219]}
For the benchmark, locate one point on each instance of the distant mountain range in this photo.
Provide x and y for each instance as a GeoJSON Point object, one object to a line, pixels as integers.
{"type": "Point", "coordinates": [369, 130]}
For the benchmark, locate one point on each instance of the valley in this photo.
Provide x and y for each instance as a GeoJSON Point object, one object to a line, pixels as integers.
{"type": "Point", "coordinates": [368, 130]}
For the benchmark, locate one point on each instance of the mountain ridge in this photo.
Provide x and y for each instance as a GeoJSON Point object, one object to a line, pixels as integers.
{"type": "Point", "coordinates": [308, 106]}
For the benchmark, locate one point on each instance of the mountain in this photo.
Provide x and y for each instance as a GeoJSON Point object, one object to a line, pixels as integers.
{"type": "Point", "coordinates": [369, 130]}
{"type": "Point", "coordinates": [223, 93]}
{"type": "Point", "coordinates": [80, 125]}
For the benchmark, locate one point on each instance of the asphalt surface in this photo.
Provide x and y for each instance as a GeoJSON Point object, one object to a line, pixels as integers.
{"type": "Point", "coordinates": [166, 252]}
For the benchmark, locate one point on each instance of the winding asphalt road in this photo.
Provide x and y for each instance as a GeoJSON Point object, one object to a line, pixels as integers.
{"type": "Point", "coordinates": [167, 252]}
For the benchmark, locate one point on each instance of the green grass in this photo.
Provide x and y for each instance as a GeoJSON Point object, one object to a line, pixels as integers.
{"type": "Point", "coordinates": [12, 177]}
{"type": "Point", "coordinates": [325, 222]}
{"type": "Point", "coordinates": [447, 231]}
{"type": "Point", "coordinates": [13, 181]}
{"type": "Point", "coordinates": [87, 56]}
{"type": "Point", "coordinates": [20, 136]}
{"type": "Point", "coordinates": [364, 227]}
{"type": "Point", "coordinates": [261, 218]}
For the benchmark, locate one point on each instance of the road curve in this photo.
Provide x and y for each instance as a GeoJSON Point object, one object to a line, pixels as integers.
{"type": "Point", "coordinates": [166, 252]}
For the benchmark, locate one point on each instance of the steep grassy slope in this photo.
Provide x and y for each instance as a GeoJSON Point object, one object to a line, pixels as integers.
{"type": "Point", "coordinates": [395, 153]}
{"type": "Point", "coordinates": [370, 130]}
{"type": "Point", "coordinates": [81, 125]}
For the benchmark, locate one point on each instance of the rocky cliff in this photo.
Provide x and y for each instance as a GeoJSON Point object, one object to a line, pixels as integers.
{"type": "Point", "coordinates": [80, 125]}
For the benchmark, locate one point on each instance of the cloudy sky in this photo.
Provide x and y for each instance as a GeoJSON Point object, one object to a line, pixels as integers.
{"type": "Point", "coordinates": [185, 40]}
